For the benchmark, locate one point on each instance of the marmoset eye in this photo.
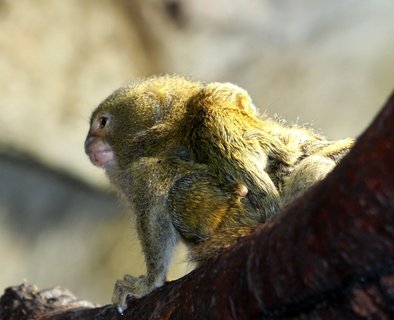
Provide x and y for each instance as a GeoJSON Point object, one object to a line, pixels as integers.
{"type": "Point", "coordinates": [102, 122]}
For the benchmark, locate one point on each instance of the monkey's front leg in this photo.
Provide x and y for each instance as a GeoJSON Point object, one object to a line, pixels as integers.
{"type": "Point", "coordinates": [158, 238]}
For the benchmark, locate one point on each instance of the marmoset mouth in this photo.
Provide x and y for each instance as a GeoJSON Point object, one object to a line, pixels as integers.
{"type": "Point", "coordinates": [99, 152]}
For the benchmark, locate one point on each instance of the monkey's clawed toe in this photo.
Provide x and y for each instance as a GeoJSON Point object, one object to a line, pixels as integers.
{"type": "Point", "coordinates": [129, 286]}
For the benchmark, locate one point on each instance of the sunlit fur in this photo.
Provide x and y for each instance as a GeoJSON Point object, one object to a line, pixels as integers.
{"type": "Point", "coordinates": [196, 162]}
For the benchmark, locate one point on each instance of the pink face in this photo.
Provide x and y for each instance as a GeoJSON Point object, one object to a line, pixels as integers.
{"type": "Point", "coordinates": [99, 151]}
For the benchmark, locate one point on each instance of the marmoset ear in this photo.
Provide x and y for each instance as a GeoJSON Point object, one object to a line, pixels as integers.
{"type": "Point", "coordinates": [231, 94]}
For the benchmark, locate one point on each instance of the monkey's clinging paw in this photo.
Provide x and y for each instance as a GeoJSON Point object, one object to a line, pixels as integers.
{"type": "Point", "coordinates": [129, 286]}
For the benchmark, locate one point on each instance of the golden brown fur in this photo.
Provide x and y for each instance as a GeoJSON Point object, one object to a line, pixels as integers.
{"type": "Point", "coordinates": [196, 162]}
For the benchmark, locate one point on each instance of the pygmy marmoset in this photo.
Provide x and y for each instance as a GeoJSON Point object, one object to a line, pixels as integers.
{"type": "Point", "coordinates": [196, 162]}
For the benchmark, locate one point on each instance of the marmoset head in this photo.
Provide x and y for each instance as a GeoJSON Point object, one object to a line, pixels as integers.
{"type": "Point", "coordinates": [159, 102]}
{"type": "Point", "coordinates": [131, 110]}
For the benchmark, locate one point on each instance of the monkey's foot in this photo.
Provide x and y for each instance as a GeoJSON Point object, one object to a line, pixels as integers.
{"type": "Point", "coordinates": [129, 286]}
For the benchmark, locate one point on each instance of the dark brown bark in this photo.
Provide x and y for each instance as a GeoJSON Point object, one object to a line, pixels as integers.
{"type": "Point", "coordinates": [329, 255]}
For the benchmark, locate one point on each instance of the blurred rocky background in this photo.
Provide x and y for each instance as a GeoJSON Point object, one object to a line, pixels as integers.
{"type": "Point", "coordinates": [326, 63]}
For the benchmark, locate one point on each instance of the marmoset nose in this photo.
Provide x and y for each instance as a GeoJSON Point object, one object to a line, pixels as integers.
{"type": "Point", "coordinates": [88, 141]}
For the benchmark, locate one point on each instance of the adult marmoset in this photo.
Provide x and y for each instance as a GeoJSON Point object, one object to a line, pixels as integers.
{"type": "Point", "coordinates": [196, 162]}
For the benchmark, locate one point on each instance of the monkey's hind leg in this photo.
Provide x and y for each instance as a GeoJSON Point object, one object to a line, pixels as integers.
{"type": "Point", "coordinates": [335, 150]}
{"type": "Point", "coordinates": [199, 204]}
{"type": "Point", "coordinates": [309, 171]}
{"type": "Point", "coordinates": [211, 215]}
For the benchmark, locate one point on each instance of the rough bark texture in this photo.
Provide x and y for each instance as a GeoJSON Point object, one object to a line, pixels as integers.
{"type": "Point", "coordinates": [329, 255]}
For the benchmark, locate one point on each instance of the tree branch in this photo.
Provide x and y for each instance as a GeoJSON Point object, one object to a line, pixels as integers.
{"type": "Point", "coordinates": [329, 254]}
